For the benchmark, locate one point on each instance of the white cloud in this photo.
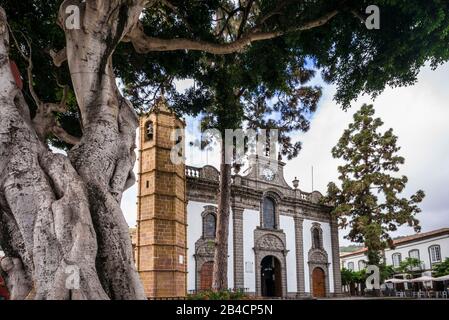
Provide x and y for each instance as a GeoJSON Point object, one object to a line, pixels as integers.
{"type": "Point", "coordinates": [419, 117]}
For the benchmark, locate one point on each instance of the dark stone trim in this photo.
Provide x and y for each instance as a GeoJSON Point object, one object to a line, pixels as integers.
{"type": "Point", "coordinates": [317, 258]}
{"type": "Point", "coordinates": [316, 226]}
{"type": "Point", "coordinates": [204, 252]}
{"type": "Point", "coordinates": [276, 198]}
{"type": "Point", "coordinates": [270, 243]}
{"type": "Point", "coordinates": [335, 257]}
{"type": "Point", "coordinates": [239, 271]}
{"type": "Point", "coordinates": [299, 244]}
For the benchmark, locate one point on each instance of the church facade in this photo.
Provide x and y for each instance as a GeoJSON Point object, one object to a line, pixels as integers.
{"type": "Point", "coordinates": [282, 241]}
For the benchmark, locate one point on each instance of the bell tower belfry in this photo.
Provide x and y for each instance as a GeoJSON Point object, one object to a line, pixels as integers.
{"type": "Point", "coordinates": [161, 218]}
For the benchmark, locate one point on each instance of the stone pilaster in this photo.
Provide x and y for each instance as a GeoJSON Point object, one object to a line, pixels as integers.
{"type": "Point", "coordinates": [239, 268]}
{"type": "Point", "coordinates": [336, 257]}
{"type": "Point", "coordinates": [299, 256]}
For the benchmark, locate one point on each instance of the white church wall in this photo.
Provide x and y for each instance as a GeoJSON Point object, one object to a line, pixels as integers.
{"type": "Point", "coordinates": [288, 225]}
{"type": "Point", "coordinates": [194, 232]}
{"type": "Point", "coordinates": [327, 244]}
{"type": "Point", "coordinates": [251, 220]}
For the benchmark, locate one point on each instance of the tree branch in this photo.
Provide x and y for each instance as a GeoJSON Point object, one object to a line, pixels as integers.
{"type": "Point", "coordinates": [244, 18]}
{"type": "Point", "coordinates": [45, 122]}
{"type": "Point", "coordinates": [28, 59]}
{"type": "Point", "coordinates": [144, 44]}
{"type": "Point", "coordinates": [61, 134]}
{"type": "Point", "coordinates": [277, 10]}
{"type": "Point", "coordinates": [58, 57]}
{"type": "Point", "coordinates": [226, 23]}
{"type": "Point", "coordinates": [62, 105]}
{"type": "Point", "coordinates": [358, 15]}
{"type": "Point", "coordinates": [175, 10]}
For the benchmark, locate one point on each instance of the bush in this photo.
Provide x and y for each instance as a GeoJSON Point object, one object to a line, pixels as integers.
{"type": "Point", "coordinates": [441, 269]}
{"type": "Point", "coordinates": [218, 295]}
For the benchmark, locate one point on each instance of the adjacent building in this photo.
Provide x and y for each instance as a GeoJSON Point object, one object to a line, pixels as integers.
{"type": "Point", "coordinates": [428, 247]}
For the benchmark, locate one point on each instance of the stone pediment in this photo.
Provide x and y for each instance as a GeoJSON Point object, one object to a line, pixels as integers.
{"type": "Point", "coordinates": [267, 170]}
{"type": "Point", "coordinates": [318, 256]}
{"type": "Point", "coordinates": [270, 242]}
{"type": "Point", "coordinates": [210, 173]}
{"type": "Point", "coordinates": [205, 247]}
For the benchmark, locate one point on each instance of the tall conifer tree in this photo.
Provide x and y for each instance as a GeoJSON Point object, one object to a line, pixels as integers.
{"type": "Point", "coordinates": [369, 200]}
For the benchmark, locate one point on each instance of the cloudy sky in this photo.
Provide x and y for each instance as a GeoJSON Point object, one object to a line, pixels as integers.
{"type": "Point", "coordinates": [419, 116]}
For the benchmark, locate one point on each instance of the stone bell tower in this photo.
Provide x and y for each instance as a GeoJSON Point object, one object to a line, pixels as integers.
{"type": "Point", "coordinates": [161, 218]}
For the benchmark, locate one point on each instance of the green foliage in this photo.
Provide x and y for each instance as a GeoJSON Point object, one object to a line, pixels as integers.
{"type": "Point", "coordinates": [218, 295]}
{"type": "Point", "coordinates": [386, 271]}
{"type": "Point", "coordinates": [35, 21]}
{"type": "Point", "coordinates": [408, 265]}
{"type": "Point", "coordinates": [441, 269]}
{"type": "Point", "coordinates": [235, 94]}
{"type": "Point", "coordinates": [356, 60]}
{"type": "Point", "coordinates": [349, 277]}
{"type": "Point", "coordinates": [350, 248]}
{"type": "Point", "coordinates": [369, 200]}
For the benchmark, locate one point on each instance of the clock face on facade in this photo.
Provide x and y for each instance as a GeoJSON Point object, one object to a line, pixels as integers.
{"type": "Point", "coordinates": [268, 174]}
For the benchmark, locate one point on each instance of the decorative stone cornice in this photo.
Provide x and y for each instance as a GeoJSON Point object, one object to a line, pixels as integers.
{"type": "Point", "coordinates": [269, 242]}
{"type": "Point", "coordinates": [202, 185]}
{"type": "Point", "coordinates": [318, 256]}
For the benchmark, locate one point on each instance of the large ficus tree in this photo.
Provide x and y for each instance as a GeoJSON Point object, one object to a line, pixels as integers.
{"type": "Point", "coordinates": [60, 215]}
{"type": "Point", "coordinates": [369, 200]}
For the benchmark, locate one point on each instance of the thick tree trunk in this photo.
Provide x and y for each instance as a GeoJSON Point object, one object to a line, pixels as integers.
{"type": "Point", "coordinates": [105, 156]}
{"type": "Point", "coordinates": [220, 271]}
{"type": "Point", "coordinates": [47, 229]}
{"type": "Point", "coordinates": [62, 227]}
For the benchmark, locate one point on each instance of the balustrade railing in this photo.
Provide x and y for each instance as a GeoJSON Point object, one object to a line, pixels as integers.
{"type": "Point", "coordinates": [193, 172]}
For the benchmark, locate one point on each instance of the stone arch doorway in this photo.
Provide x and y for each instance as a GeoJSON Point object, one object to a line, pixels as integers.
{"type": "Point", "coordinates": [206, 276]}
{"type": "Point", "coordinates": [271, 277]}
{"type": "Point", "coordinates": [318, 283]}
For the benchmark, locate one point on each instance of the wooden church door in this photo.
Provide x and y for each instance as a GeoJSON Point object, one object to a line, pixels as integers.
{"type": "Point", "coordinates": [319, 287]}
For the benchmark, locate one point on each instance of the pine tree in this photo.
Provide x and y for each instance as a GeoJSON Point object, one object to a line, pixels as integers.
{"type": "Point", "coordinates": [243, 91]}
{"type": "Point", "coordinates": [369, 200]}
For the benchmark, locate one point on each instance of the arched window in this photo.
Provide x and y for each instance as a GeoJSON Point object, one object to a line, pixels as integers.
{"type": "Point", "coordinates": [396, 257]}
{"type": "Point", "coordinates": [362, 265]}
{"type": "Point", "coordinates": [414, 254]}
{"type": "Point", "coordinates": [269, 218]}
{"type": "Point", "coordinates": [209, 225]}
{"type": "Point", "coordinates": [316, 238]}
{"type": "Point", "coordinates": [435, 254]}
{"type": "Point", "coordinates": [351, 266]}
{"type": "Point", "coordinates": [149, 130]}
